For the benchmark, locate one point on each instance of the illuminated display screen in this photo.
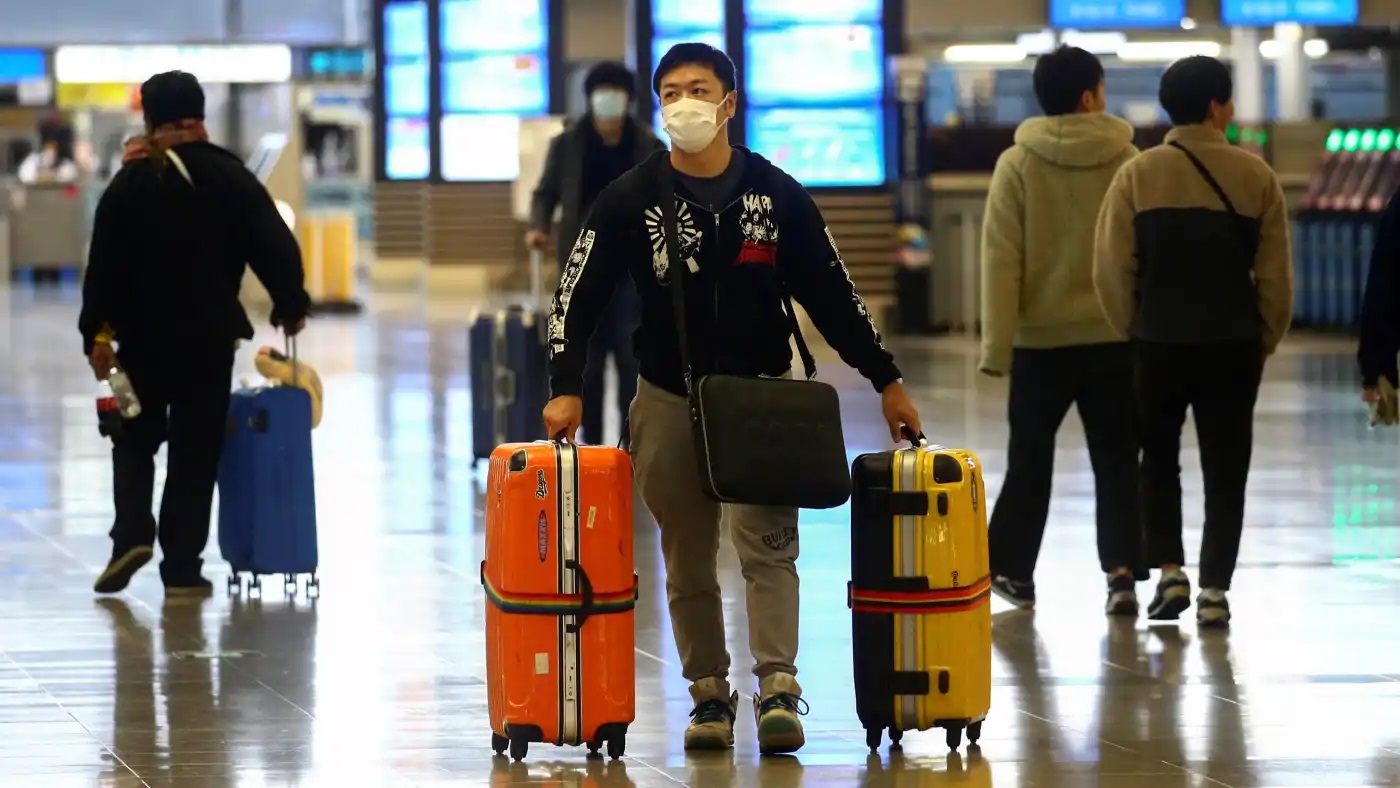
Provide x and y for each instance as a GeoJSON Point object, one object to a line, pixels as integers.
{"type": "Point", "coordinates": [406, 90]}
{"type": "Point", "coordinates": [820, 64]}
{"type": "Point", "coordinates": [495, 70]}
{"type": "Point", "coordinates": [496, 83]}
{"type": "Point", "coordinates": [472, 26]}
{"type": "Point", "coordinates": [758, 13]}
{"type": "Point", "coordinates": [668, 16]}
{"type": "Point", "coordinates": [406, 152]}
{"type": "Point", "coordinates": [21, 65]}
{"type": "Point", "coordinates": [1089, 14]}
{"type": "Point", "coordinates": [821, 146]}
{"type": "Point", "coordinates": [1261, 13]}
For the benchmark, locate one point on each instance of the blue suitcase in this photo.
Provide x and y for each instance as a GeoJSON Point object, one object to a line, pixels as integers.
{"type": "Point", "coordinates": [267, 492]}
{"type": "Point", "coordinates": [509, 373]}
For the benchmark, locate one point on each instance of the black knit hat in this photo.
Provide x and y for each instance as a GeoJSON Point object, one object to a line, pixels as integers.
{"type": "Point", "coordinates": [170, 97]}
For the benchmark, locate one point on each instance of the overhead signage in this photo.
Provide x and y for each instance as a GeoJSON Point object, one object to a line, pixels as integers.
{"type": "Point", "coordinates": [233, 64]}
{"type": "Point", "coordinates": [1264, 13]}
{"type": "Point", "coordinates": [1116, 14]}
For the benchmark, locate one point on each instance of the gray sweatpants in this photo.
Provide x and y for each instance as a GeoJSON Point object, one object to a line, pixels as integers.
{"type": "Point", "coordinates": [663, 456]}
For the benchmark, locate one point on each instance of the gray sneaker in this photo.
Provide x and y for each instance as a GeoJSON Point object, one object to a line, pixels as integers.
{"type": "Point", "coordinates": [1212, 608]}
{"type": "Point", "coordinates": [1172, 598]}
{"type": "Point", "coordinates": [712, 720]}
{"type": "Point", "coordinates": [777, 709]}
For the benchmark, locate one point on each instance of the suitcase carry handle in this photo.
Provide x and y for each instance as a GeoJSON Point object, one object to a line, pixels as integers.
{"type": "Point", "coordinates": [586, 608]}
{"type": "Point", "coordinates": [505, 386]}
{"type": "Point", "coordinates": [917, 439]}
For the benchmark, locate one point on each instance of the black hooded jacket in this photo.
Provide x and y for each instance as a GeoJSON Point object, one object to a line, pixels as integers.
{"type": "Point", "coordinates": [167, 257]}
{"type": "Point", "coordinates": [769, 239]}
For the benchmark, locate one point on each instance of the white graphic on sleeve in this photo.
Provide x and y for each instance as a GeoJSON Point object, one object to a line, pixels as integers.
{"type": "Point", "coordinates": [573, 269]}
{"type": "Point", "coordinates": [757, 221]}
{"type": "Point", "coordinates": [855, 294]}
{"type": "Point", "coordinates": [687, 235]}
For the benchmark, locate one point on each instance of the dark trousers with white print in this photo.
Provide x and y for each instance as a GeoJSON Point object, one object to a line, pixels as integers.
{"type": "Point", "coordinates": [1045, 383]}
{"type": "Point", "coordinates": [663, 454]}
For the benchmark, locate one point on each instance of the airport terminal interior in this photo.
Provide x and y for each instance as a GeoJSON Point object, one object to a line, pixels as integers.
{"type": "Point", "coordinates": [402, 139]}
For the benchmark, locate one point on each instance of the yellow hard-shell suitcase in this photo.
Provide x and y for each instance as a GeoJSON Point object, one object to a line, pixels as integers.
{"type": "Point", "coordinates": [920, 593]}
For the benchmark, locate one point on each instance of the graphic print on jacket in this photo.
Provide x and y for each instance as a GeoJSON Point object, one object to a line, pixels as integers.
{"type": "Point", "coordinates": [737, 322]}
{"type": "Point", "coordinates": [687, 234]}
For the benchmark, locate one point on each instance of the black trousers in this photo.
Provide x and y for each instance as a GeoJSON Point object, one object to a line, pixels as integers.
{"type": "Point", "coordinates": [613, 337]}
{"type": "Point", "coordinates": [184, 403]}
{"type": "Point", "coordinates": [1098, 379]}
{"type": "Point", "coordinates": [1220, 384]}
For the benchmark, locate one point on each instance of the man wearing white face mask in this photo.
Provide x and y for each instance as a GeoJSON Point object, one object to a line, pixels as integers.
{"type": "Point", "coordinates": [591, 153]}
{"type": "Point", "coordinates": [748, 234]}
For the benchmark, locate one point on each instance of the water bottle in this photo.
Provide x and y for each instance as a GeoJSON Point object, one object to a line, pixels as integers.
{"type": "Point", "coordinates": [127, 401]}
{"type": "Point", "coordinates": [109, 412]}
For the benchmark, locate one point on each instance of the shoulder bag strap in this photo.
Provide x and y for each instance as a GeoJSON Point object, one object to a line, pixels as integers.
{"type": "Point", "coordinates": [809, 364]}
{"type": "Point", "coordinates": [1210, 179]}
{"type": "Point", "coordinates": [675, 266]}
{"type": "Point", "coordinates": [179, 165]}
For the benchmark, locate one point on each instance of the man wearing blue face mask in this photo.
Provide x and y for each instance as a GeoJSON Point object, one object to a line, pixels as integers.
{"type": "Point", "coordinates": [592, 152]}
{"type": "Point", "coordinates": [748, 235]}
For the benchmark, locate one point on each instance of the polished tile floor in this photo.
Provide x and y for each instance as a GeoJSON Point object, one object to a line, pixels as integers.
{"type": "Point", "coordinates": [380, 681]}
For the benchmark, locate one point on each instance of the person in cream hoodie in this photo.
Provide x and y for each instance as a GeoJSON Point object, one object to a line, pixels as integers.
{"type": "Point", "coordinates": [1042, 324]}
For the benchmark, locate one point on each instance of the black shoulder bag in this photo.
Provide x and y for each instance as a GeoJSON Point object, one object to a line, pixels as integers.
{"type": "Point", "coordinates": [758, 441]}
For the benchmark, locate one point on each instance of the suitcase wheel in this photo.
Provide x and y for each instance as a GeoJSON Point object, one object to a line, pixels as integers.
{"type": "Point", "coordinates": [594, 748]}
{"type": "Point", "coordinates": [617, 746]}
{"type": "Point", "coordinates": [499, 744]}
{"type": "Point", "coordinates": [974, 732]}
{"type": "Point", "coordinates": [234, 584]}
{"type": "Point", "coordinates": [873, 737]}
{"type": "Point", "coordinates": [518, 749]}
{"type": "Point", "coordinates": [289, 582]}
{"type": "Point", "coordinates": [954, 738]}
{"type": "Point", "coordinates": [313, 587]}
{"type": "Point", "coordinates": [895, 736]}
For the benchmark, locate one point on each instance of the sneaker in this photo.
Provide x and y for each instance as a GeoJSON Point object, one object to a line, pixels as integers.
{"type": "Point", "coordinates": [712, 720]}
{"type": "Point", "coordinates": [1212, 608]}
{"type": "Point", "coordinates": [1021, 594]}
{"type": "Point", "coordinates": [1172, 598]}
{"type": "Point", "coordinates": [1122, 594]}
{"type": "Point", "coordinates": [117, 576]}
{"type": "Point", "coordinates": [776, 709]}
{"type": "Point", "coordinates": [195, 587]}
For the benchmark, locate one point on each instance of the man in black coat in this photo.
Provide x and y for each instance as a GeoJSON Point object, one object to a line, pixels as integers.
{"type": "Point", "coordinates": [173, 235]}
{"type": "Point", "coordinates": [1380, 311]}
{"type": "Point", "coordinates": [590, 154]}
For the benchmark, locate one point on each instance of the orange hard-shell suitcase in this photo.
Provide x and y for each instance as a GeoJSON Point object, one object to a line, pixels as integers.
{"type": "Point", "coordinates": [560, 590]}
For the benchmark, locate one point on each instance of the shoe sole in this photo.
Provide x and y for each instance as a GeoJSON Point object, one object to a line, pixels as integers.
{"type": "Point", "coordinates": [1171, 608]}
{"type": "Point", "coordinates": [115, 578]}
{"type": "Point", "coordinates": [1123, 609]}
{"type": "Point", "coordinates": [1213, 622]}
{"type": "Point", "coordinates": [707, 743]}
{"type": "Point", "coordinates": [1019, 604]}
{"type": "Point", "coordinates": [780, 737]}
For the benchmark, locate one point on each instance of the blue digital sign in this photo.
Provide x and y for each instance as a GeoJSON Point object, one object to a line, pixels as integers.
{"type": "Point", "coordinates": [496, 83]}
{"type": "Point", "coordinates": [473, 26]}
{"type": "Point", "coordinates": [672, 16]}
{"type": "Point", "coordinates": [21, 65]}
{"type": "Point", "coordinates": [823, 147]}
{"type": "Point", "coordinates": [815, 64]}
{"type": "Point", "coordinates": [406, 90]}
{"type": "Point", "coordinates": [761, 13]}
{"type": "Point", "coordinates": [1265, 13]}
{"type": "Point", "coordinates": [1117, 14]}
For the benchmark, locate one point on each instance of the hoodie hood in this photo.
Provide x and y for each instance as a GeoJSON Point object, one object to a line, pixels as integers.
{"type": "Point", "coordinates": [1079, 141]}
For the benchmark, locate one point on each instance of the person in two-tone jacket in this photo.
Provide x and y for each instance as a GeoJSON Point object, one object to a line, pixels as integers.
{"type": "Point", "coordinates": [1193, 262]}
{"type": "Point", "coordinates": [1042, 323]}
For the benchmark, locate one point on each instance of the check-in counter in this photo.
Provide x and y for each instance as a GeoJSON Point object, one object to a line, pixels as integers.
{"type": "Point", "coordinates": [48, 226]}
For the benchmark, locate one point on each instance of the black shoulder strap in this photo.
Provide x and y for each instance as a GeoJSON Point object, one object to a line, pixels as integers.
{"type": "Point", "coordinates": [674, 265]}
{"type": "Point", "coordinates": [1210, 179]}
{"type": "Point", "coordinates": [678, 270]}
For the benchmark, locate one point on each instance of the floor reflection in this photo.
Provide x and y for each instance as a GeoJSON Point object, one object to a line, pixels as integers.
{"type": "Point", "coordinates": [380, 681]}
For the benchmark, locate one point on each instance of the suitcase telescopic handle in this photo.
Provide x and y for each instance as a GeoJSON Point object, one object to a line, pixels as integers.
{"type": "Point", "coordinates": [586, 587]}
{"type": "Point", "coordinates": [505, 386]}
{"type": "Point", "coordinates": [290, 344]}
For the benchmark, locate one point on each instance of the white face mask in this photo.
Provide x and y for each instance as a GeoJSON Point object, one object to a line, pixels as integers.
{"type": "Point", "coordinates": [608, 104]}
{"type": "Point", "coordinates": [691, 123]}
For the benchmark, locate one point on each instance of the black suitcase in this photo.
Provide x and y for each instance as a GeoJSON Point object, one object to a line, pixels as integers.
{"type": "Point", "coordinates": [510, 374]}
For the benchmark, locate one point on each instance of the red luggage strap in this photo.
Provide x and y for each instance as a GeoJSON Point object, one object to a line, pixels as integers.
{"type": "Point", "coordinates": [900, 599]}
{"type": "Point", "coordinates": [581, 606]}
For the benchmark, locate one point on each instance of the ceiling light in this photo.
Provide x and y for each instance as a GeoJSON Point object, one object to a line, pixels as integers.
{"type": "Point", "coordinates": [1166, 51]}
{"type": "Point", "coordinates": [984, 53]}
